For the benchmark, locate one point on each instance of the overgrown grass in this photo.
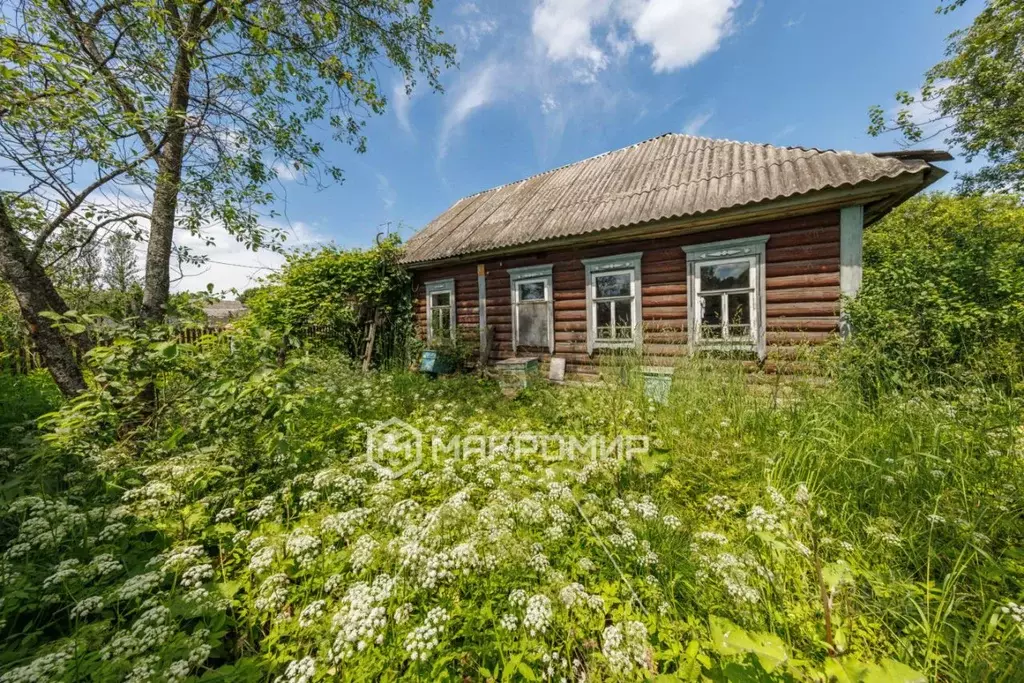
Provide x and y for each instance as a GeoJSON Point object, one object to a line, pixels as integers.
{"type": "Point", "coordinates": [787, 532]}
{"type": "Point", "coordinates": [26, 397]}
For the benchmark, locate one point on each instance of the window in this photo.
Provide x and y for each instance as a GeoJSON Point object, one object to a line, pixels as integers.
{"type": "Point", "coordinates": [440, 309]}
{"type": "Point", "coordinates": [613, 301]}
{"type": "Point", "coordinates": [532, 308]}
{"type": "Point", "coordinates": [725, 286]}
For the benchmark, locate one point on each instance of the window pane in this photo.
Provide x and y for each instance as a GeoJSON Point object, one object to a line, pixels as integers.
{"type": "Point", "coordinates": [440, 320]}
{"type": "Point", "coordinates": [612, 285]}
{"type": "Point", "coordinates": [711, 317]}
{"type": "Point", "coordinates": [604, 319]}
{"type": "Point", "coordinates": [624, 319]}
{"type": "Point", "coordinates": [442, 299]}
{"type": "Point", "coordinates": [533, 324]}
{"type": "Point", "coordinates": [739, 315]}
{"type": "Point", "coordinates": [531, 291]}
{"type": "Point", "coordinates": [725, 276]}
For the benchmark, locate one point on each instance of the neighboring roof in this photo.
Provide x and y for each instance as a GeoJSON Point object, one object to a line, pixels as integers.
{"type": "Point", "coordinates": [219, 311]}
{"type": "Point", "coordinates": [671, 176]}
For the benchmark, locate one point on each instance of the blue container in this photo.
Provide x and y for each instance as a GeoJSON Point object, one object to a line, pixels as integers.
{"type": "Point", "coordinates": [433, 364]}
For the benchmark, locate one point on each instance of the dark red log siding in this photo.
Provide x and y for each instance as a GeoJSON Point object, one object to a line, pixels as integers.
{"type": "Point", "coordinates": [802, 290]}
{"type": "Point", "coordinates": [467, 297]}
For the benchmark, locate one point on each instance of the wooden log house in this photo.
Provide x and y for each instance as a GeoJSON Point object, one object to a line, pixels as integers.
{"type": "Point", "coordinates": [674, 244]}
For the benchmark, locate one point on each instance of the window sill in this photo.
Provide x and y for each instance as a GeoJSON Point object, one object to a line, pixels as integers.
{"type": "Point", "coordinates": [726, 347]}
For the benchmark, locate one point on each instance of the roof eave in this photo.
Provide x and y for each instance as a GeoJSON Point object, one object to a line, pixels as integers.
{"type": "Point", "coordinates": [875, 193]}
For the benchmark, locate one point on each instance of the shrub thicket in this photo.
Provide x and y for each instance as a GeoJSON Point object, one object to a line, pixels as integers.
{"type": "Point", "coordinates": [943, 294]}
{"type": "Point", "coordinates": [343, 291]}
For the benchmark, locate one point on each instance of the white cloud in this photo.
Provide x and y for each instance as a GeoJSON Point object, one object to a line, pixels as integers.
{"type": "Point", "coordinates": [679, 32]}
{"type": "Point", "coordinates": [230, 264]}
{"type": "Point", "coordinates": [477, 90]}
{"type": "Point", "coordinates": [286, 171]}
{"type": "Point", "coordinates": [473, 29]}
{"type": "Point", "coordinates": [696, 122]}
{"type": "Point", "coordinates": [386, 191]}
{"type": "Point", "coordinates": [794, 22]}
{"type": "Point", "coordinates": [402, 101]}
{"type": "Point", "coordinates": [564, 28]}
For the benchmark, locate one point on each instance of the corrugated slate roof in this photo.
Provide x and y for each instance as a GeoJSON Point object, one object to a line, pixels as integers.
{"type": "Point", "coordinates": [670, 176]}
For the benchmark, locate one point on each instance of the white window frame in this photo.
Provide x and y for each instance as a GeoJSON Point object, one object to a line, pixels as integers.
{"type": "Point", "coordinates": [440, 287]}
{"type": "Point", "coordinates": [528, 275]}
{"type": "Point", "coordinates": [746, 249]}
{"type": "Point", "coordinates": [613, 265]}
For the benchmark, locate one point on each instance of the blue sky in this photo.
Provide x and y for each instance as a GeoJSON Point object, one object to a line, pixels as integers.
{"type": "Point", "coordinates": [543, 83]}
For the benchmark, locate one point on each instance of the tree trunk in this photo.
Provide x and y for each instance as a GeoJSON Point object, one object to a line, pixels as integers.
{"type": "Point", "coordinates": [157, 289]}
{"type": "Point", "coordinates": [36, 294]}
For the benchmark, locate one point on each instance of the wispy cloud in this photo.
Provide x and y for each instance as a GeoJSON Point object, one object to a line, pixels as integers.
{"type": "Point", "coordinates": [794, 22]}
{"type": "Point", "coordinates": [697, 122]}
{"type": "Point", "coordinates": [471, 31]}
{"type": "Point", "coordinates": [783, 133]}
{"type": "Point", "coordinates": [477, 90]}
{"type": "Point", "coordinates": [401, 100]}
{"type": "Point", "coordinates": [386, 192]}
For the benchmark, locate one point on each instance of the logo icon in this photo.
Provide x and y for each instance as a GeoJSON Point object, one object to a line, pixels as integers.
{"type": "Point", "coordinates": [396, 446]}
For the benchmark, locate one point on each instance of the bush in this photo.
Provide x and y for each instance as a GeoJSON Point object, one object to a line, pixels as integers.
{"type": "Point", "coordinates": [943, 294]}
{"type": "Point", "coordinates": [343, 291]}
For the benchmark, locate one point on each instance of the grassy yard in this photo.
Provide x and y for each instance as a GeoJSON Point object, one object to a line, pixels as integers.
{"type": "Point", "coordinates": [241, 532]}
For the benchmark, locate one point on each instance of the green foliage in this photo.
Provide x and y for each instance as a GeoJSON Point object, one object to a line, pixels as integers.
{"type": "Point", "coordinates": [975, 96]}
{"type": "Point", "coordinates": [24, 398]}
{"type": "Point", "coordinates": [93, 100]}
{"type": "Point", "coordinates": [344, 291]}
{"type": "Point", "coordinates": [943, 293]}
{"type": "Point", "coordinates": [238, 530]}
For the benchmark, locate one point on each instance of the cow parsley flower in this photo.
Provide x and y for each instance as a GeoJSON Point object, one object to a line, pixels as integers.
{"type": "Point", "coordinates": [299, 671]}
{"type": "Point", "coordinates": [625, 646]}
{"type": "Point", "coordinates": [197, 575]}
{"type": "Point", "coordinates": [139, 585]}
{"type": "Point", "coordinates": [517, 597]}
{"type": "Point", "coordinates": [538, 615]}
{"type": "Point", "coordinates": [311, 613]}
{"type": "Point", "coordinates": [361, 618]}
{"type": "Point", "coordinates": [423, 639]}
{"type": "Point", "coordinates": [86, 606]}
{"type": "Point", "coordinates": [262, 559]}
{"type": "Point", "coordinates": [303, 546]}
{"type": "Point", "coordinates": [362, 553]}
{"type": "Point", "coordinates": [48, 667]}
{"type": "Point", "coordinates": [759, 519]}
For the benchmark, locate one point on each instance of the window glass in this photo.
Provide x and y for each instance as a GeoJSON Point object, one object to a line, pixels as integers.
{"type": "Point", "coordinates": [739, 315]}
{"type": "Point", "coordinates": [531, 291]}
{"type": "Point", "coordinates": [533, 324]}
{"type": "Point", "coordinates": [442, 299]}
{"type": "Point", "coordinates": [725, 276]}
{"type": "Point", "coordinates": [606, 286]}
{"type": "Point", "coordinates": [441, 320]}
{"type": "Point", "coordinates": [604, 319]}
{"type": "Point", "coordinates": [711, 317]}
{"type": "Point", "coordinates": [623, 320]}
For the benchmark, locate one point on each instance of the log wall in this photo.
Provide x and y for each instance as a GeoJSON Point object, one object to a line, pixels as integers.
{"type": "Point", "coordinates": [802, 290]}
